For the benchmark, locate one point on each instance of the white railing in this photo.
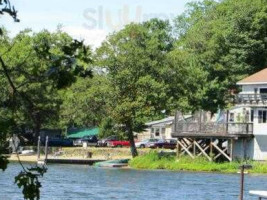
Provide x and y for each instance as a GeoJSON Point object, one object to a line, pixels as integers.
{"type": "Point", "coordinates": [214, 128]}
{"type": "Point", "coordinates": [251, 98]}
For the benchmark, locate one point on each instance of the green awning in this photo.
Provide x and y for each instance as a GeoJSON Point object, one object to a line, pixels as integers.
{"type": "Point", "coordinates": [82, 132]}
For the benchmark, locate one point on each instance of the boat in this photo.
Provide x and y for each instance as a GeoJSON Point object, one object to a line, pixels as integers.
{"type": "Point", "coordinates": [259, 193]}
{"type": "Point", "coordinates": [113, 163]}
{"type": "Point", "coordinates": [27, 153]}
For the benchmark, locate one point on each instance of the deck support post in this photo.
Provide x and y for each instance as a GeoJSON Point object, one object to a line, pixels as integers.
{"type": "Point", "coordinates": [221, 152]}
{"type": "Point", "coordinates": [203, 151]}
{"type": "Point", "coordinates": [194, 147]}
{"type": "Point", "coordinates": [186, 149]}
{"type": "Point", "coordinates": [232, 149]}
{"type": "Point", "coordinates": [211, 149]}
{"type": "Point", "coordinates": [178, 149]}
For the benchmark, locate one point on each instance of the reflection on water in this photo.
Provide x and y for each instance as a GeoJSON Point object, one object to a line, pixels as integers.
{"type": "Point", "coordinates": [81, 182]}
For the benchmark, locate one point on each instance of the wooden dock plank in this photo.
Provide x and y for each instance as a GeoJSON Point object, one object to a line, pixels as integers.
{"type": "Point", "coordinates": [73, 161]}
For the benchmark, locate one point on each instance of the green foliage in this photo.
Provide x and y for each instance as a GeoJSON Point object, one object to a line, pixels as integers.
{"type": "Point", "coordinates": [259, 167]}
{"type": "Point", "coordinates": [34, 68]}
{"type": "Point", "coordinates": [45, 78]}
{"type": "Point", "coordinates": [28, 180]}
{"type": "Point", "coordinates": [187, 93]}
{"type": "Point", "coordinates": [135, 59]}
{"type": "Point", "coordinates": [228, 39]}
{"type": "Point", "coordinates": [155, 160]}
{"type": "Point", "coordinates": [37, 66]}
{"type": "Point", "coordinates": [6, 126]}
{"type": "Point", "coordinates": [108, 127]}
{"type": "Point", "coordinates": [85, 102]}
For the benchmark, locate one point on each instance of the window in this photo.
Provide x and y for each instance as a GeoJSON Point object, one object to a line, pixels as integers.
{"type": "Point", "coordinates": [163, 130]}
{"type": "Point", "coordinates": [247, 117]}
{"type": "Point", "coordinates": [232, 117]}
{"type": "Point", "coordinates": [152, 130]}
{"type": "Point", "coordinates": [263, 90]}
{"type": "Point", "coordinates": [252, 116]}
{"type": "Point", "coordinates": [157, 132]}
{"type": "Point", "coordinates": [262, 116]}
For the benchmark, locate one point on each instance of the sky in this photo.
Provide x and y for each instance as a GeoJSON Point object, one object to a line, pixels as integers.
{"type": "Point", "coordinates": [89, 20]}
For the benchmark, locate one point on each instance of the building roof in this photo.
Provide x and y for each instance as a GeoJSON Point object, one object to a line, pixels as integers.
{"type": "Point", "coordinates": [257, 78]}
{"type": "Point", "coordinates": [167, 120]}
{"type": "Point", "coordinates": [79, 133]}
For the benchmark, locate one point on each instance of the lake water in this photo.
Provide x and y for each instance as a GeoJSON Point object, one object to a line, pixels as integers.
{"type": "Point", "coordinates": [82, 182]}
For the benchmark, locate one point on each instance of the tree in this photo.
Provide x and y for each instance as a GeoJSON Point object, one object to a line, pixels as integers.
{"type": "Point", "coordinates": [34, 68]}
{"type": "Point", "coordinates": [186, 80]}
{"type": "Point", "coordinates": [7, 8]}
{"type": "Point", "coordinates": [85, 102]}
{"type": "Point", "coordinates": [228, 39]}
{"type": "Point", "coordinates": [108, 127]}
{"type": "Point", "coordinates": [38, 67]}
{"type": "Point", "coordinates": [27, 86]}
{"type": "Point", "coordinates": [135, 59]}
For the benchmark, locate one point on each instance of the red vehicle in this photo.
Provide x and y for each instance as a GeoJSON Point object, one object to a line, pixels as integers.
{"type": "Point", "coordinates": [117, 143]}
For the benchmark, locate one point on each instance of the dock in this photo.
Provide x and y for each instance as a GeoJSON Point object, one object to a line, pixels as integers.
{"type": "Point", "coordinates": [73, 161]}
{"type": "Point", "coordinates": [56, 160]}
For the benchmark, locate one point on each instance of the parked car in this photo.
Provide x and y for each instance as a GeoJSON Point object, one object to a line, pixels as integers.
{"type": "Point", "coordinates": [77, 142]}
{"type": "Point", "coordinates": [145, 143]}
{"type": "Point", "coordinates": [91, 140]}
{"type": "Point", "coordinates": [154, 143]}
{"type": "Point", "coordinates": [166, 144]}
{"type": "Point", "coordinates": [118, 143]}
{"type": "Point", "coordinates": [59, 142]}
{"type": "Point", "coordinates": [103, 142]}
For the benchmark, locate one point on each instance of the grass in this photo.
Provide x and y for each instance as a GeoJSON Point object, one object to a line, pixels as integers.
{"type": "Point", "coordinates": [154, 160]}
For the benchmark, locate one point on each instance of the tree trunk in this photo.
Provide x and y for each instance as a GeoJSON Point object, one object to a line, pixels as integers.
{"type": "Point", "coordinates": [36, 128]}
{"type": "Point", "coordinates": [131, 140]}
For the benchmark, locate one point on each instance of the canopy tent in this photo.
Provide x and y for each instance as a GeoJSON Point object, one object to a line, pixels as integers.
{"type": "Point", "coordinates": [79, 133]}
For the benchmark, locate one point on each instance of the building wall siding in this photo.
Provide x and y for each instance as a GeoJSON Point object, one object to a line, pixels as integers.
{"type": "Point", "coordinates": [249, 89]}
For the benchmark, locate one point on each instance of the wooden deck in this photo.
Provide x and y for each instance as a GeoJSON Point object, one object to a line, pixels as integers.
{"type": "Point", "coordinates": [212, 130]}
{"type": "Point", "coordinates": [201, 126]}
{"type": "Point", "coordinates": [201, 136]}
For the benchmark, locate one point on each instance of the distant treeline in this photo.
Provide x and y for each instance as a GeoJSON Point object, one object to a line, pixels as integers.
{"type": "Point", "coordinates": [143, 72]}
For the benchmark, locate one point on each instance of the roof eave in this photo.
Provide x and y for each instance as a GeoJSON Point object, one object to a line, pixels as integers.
{"type": "Point", "coordinates": [250, 83]}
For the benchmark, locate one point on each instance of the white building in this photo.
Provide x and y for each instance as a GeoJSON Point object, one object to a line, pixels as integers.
{"type": "Point", "coordinates": [251, 107]}
{"type": "Point", "coordinates": [239, 133]}
{"type": "Point", "coordinates": [159, 129]}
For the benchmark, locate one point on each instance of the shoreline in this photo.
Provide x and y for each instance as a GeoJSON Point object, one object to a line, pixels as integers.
{"type": "Point", "coordinates": [147, 160]}
{"type": "Point", "coordinates": [30, 160]}
{"type": "Point", "coordinates": [153, 161]}
{"type": "Point", "coordinates": [33, 159]}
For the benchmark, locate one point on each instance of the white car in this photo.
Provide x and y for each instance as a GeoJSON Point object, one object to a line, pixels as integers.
{"type": "Point", "coordinates": [145, 143]}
